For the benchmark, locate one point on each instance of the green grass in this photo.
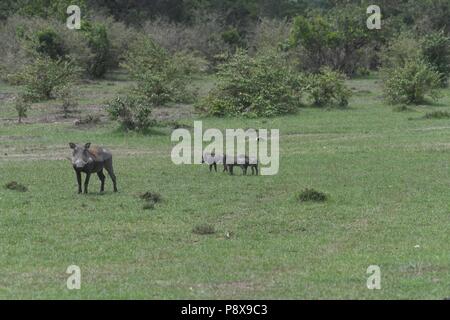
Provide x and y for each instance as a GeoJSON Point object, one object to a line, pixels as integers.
{"type": "Point", "coordinates": [386, 181]}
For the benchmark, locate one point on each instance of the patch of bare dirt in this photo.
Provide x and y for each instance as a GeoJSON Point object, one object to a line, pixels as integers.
{"type": "Point", "coordinates": [4, 97]}
{"type": "Point", "coordinates": [177, 112]}
{"type": "Point", "coordinates": [228, 289]}
{"type": "Point", "coordinates": [63, 153]}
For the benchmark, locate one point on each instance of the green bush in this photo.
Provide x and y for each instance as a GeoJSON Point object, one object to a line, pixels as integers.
{"type": "Point", "coordinates": [23, 39]}
{"type": "Point", "coordinates": [119, 36]}
{"type": "Point", "coordinates": [232, 37]}
{"type": "Point", "coordinates": [68, 99]}
{"type": "Point", "coordinates": [253, 86]}
{"type": "Point", "coordinates": [100, 46]}
{"type": "Point", "coordinates": [411, 83]}
{"type": "Point", "coordinates": [161, 77]}
{"type": "Point", "coordinates": [336, 38]}
{"type": "Point", "coordinates": [401, 49]}
{"type": "Point", "coordinates": [202, 35]}
{"type": "Point", "coordinates": [133, 112]}
{"type": "Point", "coordinates": [327, 88]}
{"type": "Point", "coordinates": [46, 8]}
{"type": "Point", "coordinates": [21, 105]}
{"type": "Point", "coordinates": [433, 48]}
{"type": "Point", "coordinates": [436, 51]}
{"type": "Point", "coordinates": [44, 76]}
{"type": "Point", "coordinates": [49, 44]}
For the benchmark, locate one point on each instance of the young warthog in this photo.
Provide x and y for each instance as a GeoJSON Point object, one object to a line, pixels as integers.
{"type": "Point", "coordinates": [90, 160]}
{"type": "Point", "coordinates": [240, 161]}
{"type": "Point", "coordinates": [212, 160]}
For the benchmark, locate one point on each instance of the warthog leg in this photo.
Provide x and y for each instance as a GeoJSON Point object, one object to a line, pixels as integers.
{"type": "Point", "coordinates": [78, 173]}
{"type": "Point", "coordinates": [109, 168]}
{"type": "Point", "coordinates": [101, 176]}
{"type": "Point", "coordinates": [86, 182]}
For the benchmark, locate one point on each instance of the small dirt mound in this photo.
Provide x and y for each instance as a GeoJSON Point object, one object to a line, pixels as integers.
{"type": "Point", "coordinates": [149, 206]}
{"type": "Point", "coordinates": [204, 229]}
{"type": "Point", "coordinates": [151, 197]}
{"type": "Point", "coordinates": [402, 108]}
{"type": "Point", "coordinates": [14, 185]}
{"type": "Point", "coordinates": [91, 119]}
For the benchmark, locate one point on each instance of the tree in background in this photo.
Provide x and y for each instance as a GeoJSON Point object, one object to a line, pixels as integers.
{"type": "Point", "coordinates": [333, 40]}
{"type": "Point", "coordinates": [22, 105]}
{"type": "Point", "coordinates": [327, 88]}
{"type": "Point", "coordinates": [261, 86]}
{"type": "Point", "coordinates": [436, 51]}
{"type": "Point", "coordinates": [98, 42]}
{"type": "Point", "coordinates": [44, 76]}
{"type": "Point", "coordinates": [39, 8]}
{"type": "Point", "coordinates": [411, 83]}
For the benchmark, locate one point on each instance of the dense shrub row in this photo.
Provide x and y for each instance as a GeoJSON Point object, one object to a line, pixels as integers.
{"type": "Point", "coordinates": [265, 66]}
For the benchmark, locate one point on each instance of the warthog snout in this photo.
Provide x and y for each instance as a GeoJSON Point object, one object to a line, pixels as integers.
{"type": "Point", "coordinates": [78, 163]}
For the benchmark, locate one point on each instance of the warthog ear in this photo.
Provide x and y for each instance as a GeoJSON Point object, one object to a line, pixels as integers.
{"type": "Point", "coordinates": [87, 145]}
{"type": "Point", "coordinates": [72, 145]}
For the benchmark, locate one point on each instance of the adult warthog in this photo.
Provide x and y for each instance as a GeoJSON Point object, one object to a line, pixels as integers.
{"type": "Point", "coordinates": [90, 160]}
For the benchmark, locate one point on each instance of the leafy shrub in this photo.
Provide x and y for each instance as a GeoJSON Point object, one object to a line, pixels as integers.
{"type": "Point", "coordinates": [100, 46]}
{"type": "Point", "coordinates": [402, 48]}
{"type": "Point", "coordinates": [133, 112]}
{"type": "Point", "coordinates": [68, 99]}
{"type": "Point", "coordinates": [119, 37]}
{"type": "Point", "coordinates": [436, 51]}
{"type": "Point", "coordinates": [204, 229]}
{"type": "Point", "coordinates": [202, 35]}
{"type": "Point", "coordinates": [270, 34]}
{"type": "Point", "coordinates": [433, 48]}
{"type": "Point", "coordinates": [23, 39]}
{"type": "Point", "coordinates": [232, 37]}
{"type": "Point", "coordinates": [312, 195]}
{"type": "Point", "coordinates": [14, 53]}
{"type": "Point", "coordinates": [411, 83]}
{"type": "Point", "coordinates": [260, 86]}
{"type": "Point", "coordinates": [21, 105]}
{"type": "Point", "coordinates": [49, 44]}
{"type": "Point", "coordinates": [46, 9]}
{"type": "Point", "coordinates": [44, 75]}
{"type": "Point", "coordinates": [335, 39]}
{"type": "Point", "coordinates": [327, 88]}
{"type": "Point", "coordinates": [161, 77]}
{"type": "Point", "coordinates": [189, 63]}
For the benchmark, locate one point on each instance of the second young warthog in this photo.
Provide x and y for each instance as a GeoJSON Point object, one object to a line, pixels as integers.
{"type": "Point", "coordinates": [90, 160]}
{"type": "Point", "coordinates": [240, 161]}
{"type": "Point", "coordinates": [212, 160]}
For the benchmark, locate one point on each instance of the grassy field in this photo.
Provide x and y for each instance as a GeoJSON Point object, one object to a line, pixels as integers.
{"type": "Point", "coordinates": [386, 175]}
